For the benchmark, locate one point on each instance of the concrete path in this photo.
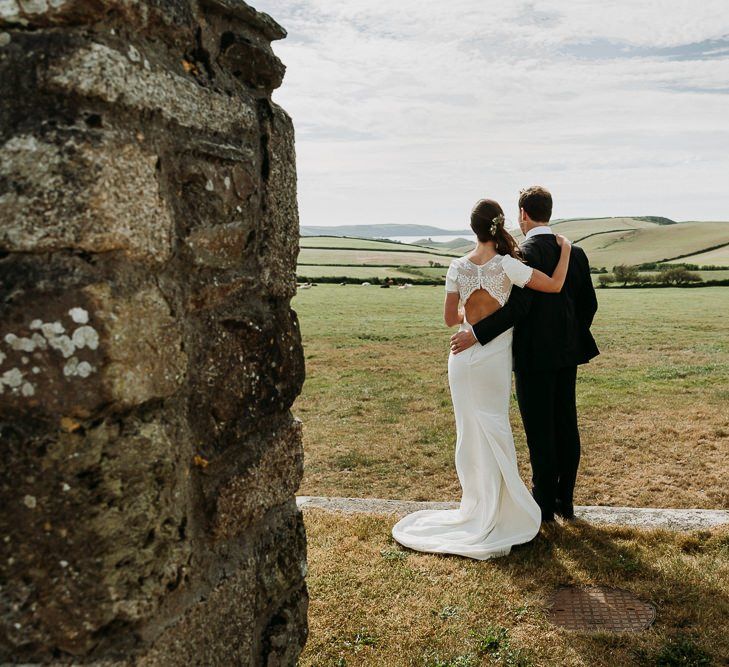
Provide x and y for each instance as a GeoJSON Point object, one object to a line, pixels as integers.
{"type": "Point", "coordinates": [641, 517]}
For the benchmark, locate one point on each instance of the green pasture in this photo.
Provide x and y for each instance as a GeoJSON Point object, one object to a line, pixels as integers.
{"type": "Point", "coordinates": [607, 242]}
{"type": "Point", "coordinates": [578, 229]}
{"type": "Point", "coordinates": [716, 257]}
{"type": "Point", "coordinates": [374, 603]}
{"type": "Point", "coordinates": [373, 257]}
{"type": "Point", "coordinates": [378, 422]}
{"type": "Point", "coordinates": [363, 273]}
{"type": "Point", "coordinates": [435, 272]}
{"type": "Point", "coordinates": [354, 243]}
{"type": "Point", "coordinates": [378, 418]}
{"type": "Point", "coordinates": [716, 274]}
{"type": "Point", "coordinates": [655, 243]}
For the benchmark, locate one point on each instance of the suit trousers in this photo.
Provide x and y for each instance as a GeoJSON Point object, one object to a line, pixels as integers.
{"type": "Point", "coordinates": [549, 412]}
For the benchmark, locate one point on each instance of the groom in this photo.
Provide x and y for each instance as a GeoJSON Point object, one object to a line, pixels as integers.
{"type": "Point", "coordinates": [551, 338]}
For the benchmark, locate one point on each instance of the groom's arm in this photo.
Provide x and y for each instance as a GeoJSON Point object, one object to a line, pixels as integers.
{"type": "Point", "coordinates": [514, 310]}
{"type": "Point", "coordinates": [516, 307]}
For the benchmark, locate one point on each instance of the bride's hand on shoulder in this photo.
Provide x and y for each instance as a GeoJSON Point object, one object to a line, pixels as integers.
{"type": "Point", "coordinates": [541, 282]}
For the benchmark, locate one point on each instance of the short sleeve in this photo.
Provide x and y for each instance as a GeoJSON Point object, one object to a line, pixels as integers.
{"type": "Point", "coordinates": [451, 282]}
{"type": "Point", "coordinates": [517, 272]}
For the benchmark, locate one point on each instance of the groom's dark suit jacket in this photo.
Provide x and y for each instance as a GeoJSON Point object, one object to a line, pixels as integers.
{"type": "Point", "coordinates": [551, 331]}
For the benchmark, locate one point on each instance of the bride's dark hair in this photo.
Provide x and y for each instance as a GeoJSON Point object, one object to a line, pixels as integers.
{"type": "Point", "coordinates": [487, 223]}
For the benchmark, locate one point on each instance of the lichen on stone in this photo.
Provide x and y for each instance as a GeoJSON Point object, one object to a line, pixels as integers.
{"type": "Point", "coordinates": [78, 315]}
{"type": "Point", "coordinates": [85, 336]}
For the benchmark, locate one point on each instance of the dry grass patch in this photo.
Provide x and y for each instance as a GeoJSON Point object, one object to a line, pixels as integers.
{"type": "Point", "coordinates": [374, 603]}
{"type": "Point", "coordinates": [363, 273]}
{"type": "Point", "coordinates": [371, 256]}
{"type": "Point", "coordinates": [378, 418]}
{"type": "Point", "coordinates": [716, 257]}
{"type": "Point", "coordinates": [654, 243]}
{"type": "Point", "coordinates": [352, 242]}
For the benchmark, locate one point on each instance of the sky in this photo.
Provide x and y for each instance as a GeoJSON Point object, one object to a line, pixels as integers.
{"type": "Point", "coordinates": [408, 111]}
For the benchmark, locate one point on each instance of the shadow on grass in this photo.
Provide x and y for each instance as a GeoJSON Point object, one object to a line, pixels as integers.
{"type": "Point", "coordinates": [691, 608]}
{"type": "Point", "coordinates": [375, 602]}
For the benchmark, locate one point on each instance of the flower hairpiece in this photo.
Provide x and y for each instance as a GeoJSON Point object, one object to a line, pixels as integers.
{"type": "Point", "coordinates": [497, 222]}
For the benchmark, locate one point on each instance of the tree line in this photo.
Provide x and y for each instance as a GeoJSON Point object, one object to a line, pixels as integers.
{"type": "Point", "coordinates": [624, 275]}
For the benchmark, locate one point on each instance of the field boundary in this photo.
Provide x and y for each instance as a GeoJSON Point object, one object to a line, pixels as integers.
{"type": "Point", "coordinates": [638, 517]}
{"type": "Point", "coordinates": [374, 266]}
{"type": "Point", "coordinates": [698, 252]}
{"type": "Point", "coordinates": [421, 249]}
{"type": "Point", "coordinates": [703, 283]}
{"type": "Point", "coordinates": [607, 231]}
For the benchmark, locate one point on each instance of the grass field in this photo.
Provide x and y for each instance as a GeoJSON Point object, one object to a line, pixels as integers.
{"type": "Point", "coordinates": [718, 274]}
{"type": "Point", "coordinates": [374, 604]}
{"type": "Point", "coordinates": [653, 407]}
{"type": "Point", "coordinates": [714, 275]}
{"type": "Point", "coordinates": [358, 244]}
{"type": "Point", "coordinates": [378, 422]}
{"type": "Point", "coordinates": [655, 243]}
{"type": "Point", "coordinates": [652, 276]}
{"type": "Point", "coordinates": [445, 245]}
{"type": "Point", "coordinates": [717, 257]}
{"type": "Point", "coordinates": [360, 272]}
{"type": "Point", "coordinates": [437, 273]}
{"type": "Point", "coordinates": [607, 241]}
{"type": "Point", "coordinates": [364, 257]}
{"type": "Point", "coordinates": [577, 229]}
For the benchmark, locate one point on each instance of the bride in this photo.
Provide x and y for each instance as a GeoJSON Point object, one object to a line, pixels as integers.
{"type": "Point", "coordinates": [496, 511]}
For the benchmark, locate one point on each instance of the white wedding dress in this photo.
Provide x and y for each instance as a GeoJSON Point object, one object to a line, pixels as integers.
{"type": "Point", "coordinates": [496, 511]}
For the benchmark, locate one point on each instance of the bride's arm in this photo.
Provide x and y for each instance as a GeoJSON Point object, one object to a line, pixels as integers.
{"type": "Point", "coordinates": [541, 282]}
{"type": "Point", "coordinates": [451, 314]}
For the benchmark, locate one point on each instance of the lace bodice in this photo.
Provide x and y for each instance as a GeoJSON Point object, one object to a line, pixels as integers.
{"type": "Point", "coordinates": [495, 276]}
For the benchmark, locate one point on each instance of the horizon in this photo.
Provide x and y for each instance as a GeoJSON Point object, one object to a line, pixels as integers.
{"type": "Point", "coordinates": [462, 228]}
{"type": "Point", "coordinates": [412, 112]}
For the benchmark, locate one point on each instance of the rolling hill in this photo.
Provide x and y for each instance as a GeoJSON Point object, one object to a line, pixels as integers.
{"type": "Point", "coordinates": [445, 245]}
{"type": "Point", "coordinates": [352, 243]}
{"type": "Point", "coordinates": [635, 240]}
{"type": "Point", "coordinates": [387, 231]}
{"type": "Point", "coordinates": [715, 257]}
{"type": "Point", "coordinates": [371, 257]}
{"type": "Point", "coordinates": [607, 242]}
{"type": "Point", "coordinates": [378, 231]}
{"type": "Point", "coordinates": [656, 243]}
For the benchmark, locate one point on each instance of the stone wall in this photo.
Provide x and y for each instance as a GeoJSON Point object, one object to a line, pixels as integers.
{"type": "Point", "coordinates": [148, 353]}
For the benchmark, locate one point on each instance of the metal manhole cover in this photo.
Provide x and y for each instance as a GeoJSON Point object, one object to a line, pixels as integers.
{"type": "Point", "coordinates": [598, 608]}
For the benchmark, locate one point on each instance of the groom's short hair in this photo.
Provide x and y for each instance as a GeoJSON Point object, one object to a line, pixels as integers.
{"type": "Point", "coordinates": [537, 202]}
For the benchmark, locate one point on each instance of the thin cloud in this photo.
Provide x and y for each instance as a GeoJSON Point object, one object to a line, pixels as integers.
{"type": "Point", "coordinates": [409, 111]}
